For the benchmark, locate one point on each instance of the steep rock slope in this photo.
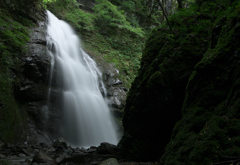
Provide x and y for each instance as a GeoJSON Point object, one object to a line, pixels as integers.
{"type": "Point", "coordinates": [24, 66]}
{"type": "Point", "coordinates": [157, 95]}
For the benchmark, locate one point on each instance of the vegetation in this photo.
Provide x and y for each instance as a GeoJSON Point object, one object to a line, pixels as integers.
{"type": "Point", "coordinates": [106, 33]}
{"type": "Point", "coordinates": [112, 29]}
{"type": "Point", "coordinates": [188, 81]}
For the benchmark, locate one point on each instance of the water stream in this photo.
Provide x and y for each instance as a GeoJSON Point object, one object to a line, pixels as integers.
{"type": "Point", "coordinates": [86, 117]}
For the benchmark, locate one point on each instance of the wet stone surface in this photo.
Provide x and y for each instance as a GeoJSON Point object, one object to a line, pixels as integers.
{"type": "Point", "coordinates": [57, 153]}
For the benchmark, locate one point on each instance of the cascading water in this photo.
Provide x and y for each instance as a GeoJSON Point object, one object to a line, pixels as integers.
{"type": "Point", "coordinates": [86, 117]}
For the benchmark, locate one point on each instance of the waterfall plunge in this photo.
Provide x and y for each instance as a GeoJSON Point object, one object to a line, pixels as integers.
{"type": "Point", "coordinates": [86, 117]}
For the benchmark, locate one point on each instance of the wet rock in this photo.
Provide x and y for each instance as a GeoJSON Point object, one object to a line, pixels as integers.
{"type": "Point", "coordinates": [107, 148]}
{"type": "Point", "coordinates": [38, 36]}
{"type": "Point", "coordinates": [40, 157]}
{"type": "Point", "coordinates": [117, 97]}
{"type": "Point", "coordinates": [60, 159]}
{"type": "Point", "coordinates": [21, 155]}
{"type": "Point", "coordinates": [51, 149]}
{"type": "Point", "coordinates": [8, 146]}
{"type": "Point", "coordinates": [112, 80]}
{"type": "Point", "coordinates": [93, 147]}
{"type": "Point", "coordinates": [60, 143]}
{"type": "Point", "coordinates": [90, 151]}
{"type": "Point", "coordinates": [110, 161]}
{"type": "Point", "coordinates": [27, 161]}
{"type": "Point", "coordinates": [69, 163]}
{"type": "Point", "coordinates": [2, 156]}
{"type": "Point", "coordinates": [36, 63]}
{"type": "Point", "coordinates": [32, 92]}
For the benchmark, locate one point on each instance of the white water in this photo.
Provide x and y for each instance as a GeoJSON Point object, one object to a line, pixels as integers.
{"type": "Point", "coordinates": [86, 117]}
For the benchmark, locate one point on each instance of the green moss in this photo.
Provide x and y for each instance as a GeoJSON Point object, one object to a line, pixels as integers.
{"type": "Point", "coordinates": [14, 36]}
{"type": "Point", "coordinates": [80, 20]}
{"type": "Point", "coordinates": [10, 120]}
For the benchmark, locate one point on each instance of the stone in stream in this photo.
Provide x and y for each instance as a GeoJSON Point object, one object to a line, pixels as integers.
{"type": "Point", "coordinates": [51, 149]}
{"type": "Point", "coordinates": [110, 161]}
{"type": "Point", "coordinates": [2, 156]}
{"type": "Point", "coordinates": [60, 143]}
{"type": "Point", "coordinates": [40, 157]}
{"type": "Point", "coordinates": [69, 163]}
{"type": "Point", "coordinates": [107, 148]}
{"type": "Point", "coordinates": [60, 158]}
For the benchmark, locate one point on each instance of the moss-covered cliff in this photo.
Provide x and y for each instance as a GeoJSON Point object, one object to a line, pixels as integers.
{"type": "Point", "coordinates": [189, 77]}
{"type": "Point", "coordinates": [21, 70]}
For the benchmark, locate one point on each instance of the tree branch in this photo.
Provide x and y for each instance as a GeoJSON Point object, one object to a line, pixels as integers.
{"type": "Point", "coordinates": [180, 4]}
{"type": "Point", "coordinates": [165, 16]}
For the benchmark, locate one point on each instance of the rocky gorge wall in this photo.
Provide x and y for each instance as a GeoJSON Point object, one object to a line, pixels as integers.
{"type": "Point", "coordinates": [24, 69]}
{"type": "Point", "coordinates": [183, 106]}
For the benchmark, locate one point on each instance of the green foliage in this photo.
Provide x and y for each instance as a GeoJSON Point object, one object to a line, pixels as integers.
{"type": "Point", "coordinates": [59, 6]}
{"type": "Point", "coordinates": [129, 6]}
{"type": "Point", "coordinates": [107, 33]}
{"type": "Point", "coordinates": [14, 37]}
{"type": "Point", "coordinates": [107, 15]}
{"type": "Point", "coordinates": [80, 20]}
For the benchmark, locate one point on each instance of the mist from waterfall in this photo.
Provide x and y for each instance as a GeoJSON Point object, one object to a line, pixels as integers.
{"type": "Point", "coordinates": [86, 119]}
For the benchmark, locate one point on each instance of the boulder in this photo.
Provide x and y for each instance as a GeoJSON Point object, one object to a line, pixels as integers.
{"type": "Point", "coordinates": [60, 159]}
{"type": "Point", "coordinates": [155, 99]}
{"type": "Point", "coordinates": [110, 161]}
{"type": "Point", "coordinates": [60, 143]}
{"type": "Point", "coordinates": [40, 157]}
{"type": "Point", "coordinates": [107, 148]}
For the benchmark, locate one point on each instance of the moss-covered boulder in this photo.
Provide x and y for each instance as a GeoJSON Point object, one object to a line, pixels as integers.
{"type": "Point", "coordinates": [200, 55]}
{"type": "Point", "coordinates": [157, 94]}
{"type": "Point", "coordinates": [209, 129]}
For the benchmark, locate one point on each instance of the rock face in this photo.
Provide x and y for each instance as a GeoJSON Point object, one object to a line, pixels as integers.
{"type": "Point", "coordinates": [33, 87]}
{"type": "Point", "coordinates": [116, 92]}
{"type": "Point", "coordinates": [26, 74]}
{"type": "Point", "coordinates": [192, 77]}
{"type": "Point", "coordinates": [36, 114]}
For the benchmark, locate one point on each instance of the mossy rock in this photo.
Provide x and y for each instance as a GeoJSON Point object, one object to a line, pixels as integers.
{"type": "Point", "coordinates": [192, 74]}
{"type": "Point", "coordinates": [155, 99]}
{"type": "Point", "coordinates": [16, 19]}
{"type": "Point", "coordinates": [209, 129]}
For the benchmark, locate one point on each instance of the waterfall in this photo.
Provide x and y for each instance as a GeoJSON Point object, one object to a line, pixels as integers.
{"type": "Point", "coordinates": [86, 118]}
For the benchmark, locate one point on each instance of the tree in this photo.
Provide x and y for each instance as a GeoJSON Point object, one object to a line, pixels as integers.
{"type": "Point", "coordinates": [180, 5]}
